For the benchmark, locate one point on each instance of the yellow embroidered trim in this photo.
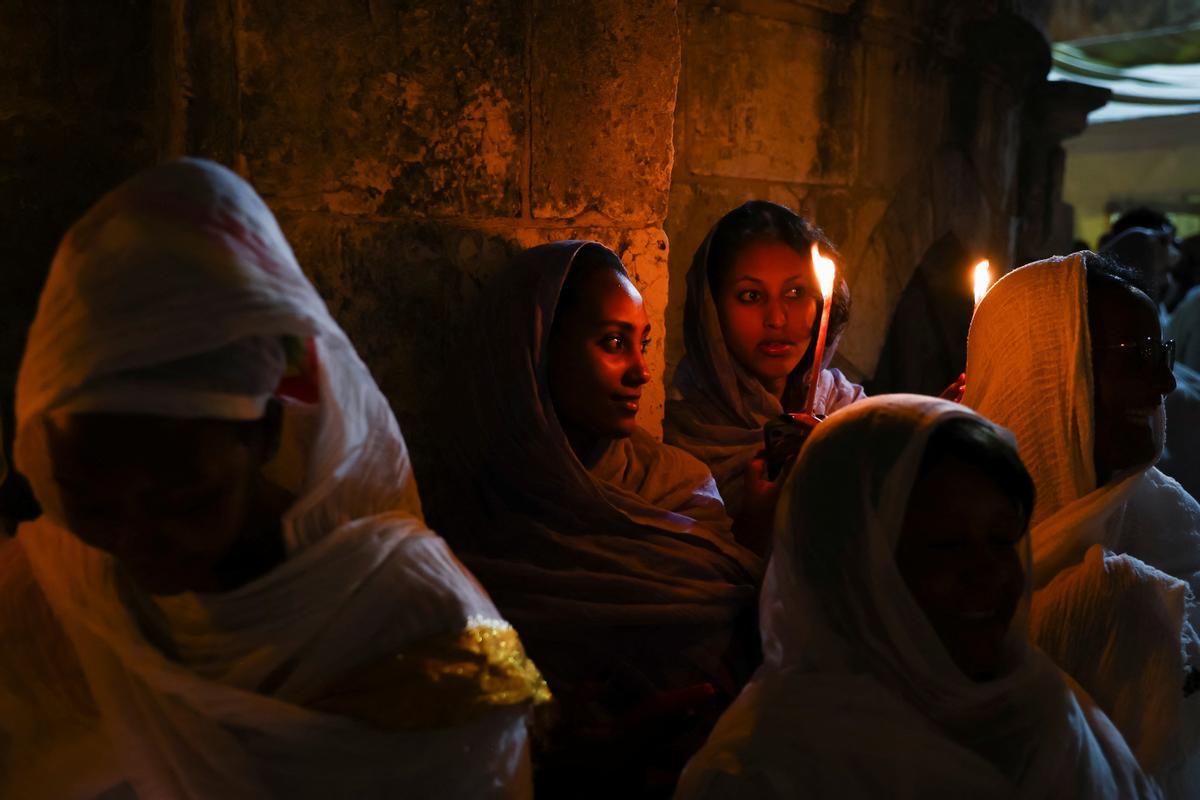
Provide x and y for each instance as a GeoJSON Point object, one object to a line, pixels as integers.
{"type": "Point", "coordinates": [440, 682]}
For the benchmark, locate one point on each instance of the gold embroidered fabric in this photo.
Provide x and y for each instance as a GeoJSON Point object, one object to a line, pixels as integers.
{"type": "Point", "coordinates": [439, 682]}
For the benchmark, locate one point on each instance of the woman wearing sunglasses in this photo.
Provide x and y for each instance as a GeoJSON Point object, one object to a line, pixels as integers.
{"type": "Point", "coordinates": [1068, 354]}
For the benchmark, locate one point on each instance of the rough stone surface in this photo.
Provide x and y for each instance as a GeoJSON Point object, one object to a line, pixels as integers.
{"type": "Point", "coordinates": [876, 119]}
{"type": "Point", "coordinates": [383, 109]}
{"type": "Point", "coordinates": [604, 77]}
{"type": "Point", "coordinates": [756, 88]}
{"type": "Point", "coordinates": [76, 97]}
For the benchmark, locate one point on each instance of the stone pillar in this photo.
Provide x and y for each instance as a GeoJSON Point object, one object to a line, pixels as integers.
{"type": "Point", "coordinates": [1057, 111]}
{"type": "Point", "coordinates": [892, 124]}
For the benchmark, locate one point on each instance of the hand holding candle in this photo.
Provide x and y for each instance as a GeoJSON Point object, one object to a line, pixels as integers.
{"type": "Point", "coordinates": [825, 275]}
{"type": "Point", "coordinates": [983, 280]}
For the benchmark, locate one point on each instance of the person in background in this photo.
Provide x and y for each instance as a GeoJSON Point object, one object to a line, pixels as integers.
{"type": "Point", "coordinates": [894, 620]}
{"type": "Point", "coordinates": [1067, 353]}
{"type": "Point", "coordinates": [1139, 217]}
{"type": "Point", "coordinates": [1184, 325]}
{"type": "Point", "coordinates": [231, 591]}
{"type": "Point", "coordinates": [750, 323]}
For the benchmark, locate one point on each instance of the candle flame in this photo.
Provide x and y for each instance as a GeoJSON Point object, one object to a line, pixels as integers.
{"type": "Point", "coordinates": [825, 271]}
{"type": "Point", "coordinates": [983, 279]}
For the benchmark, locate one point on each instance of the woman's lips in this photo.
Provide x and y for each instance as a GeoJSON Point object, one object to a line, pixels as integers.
{"type": "Point", "coordinates": [628, 403]}
{"type": "Point", "coordinates": [775, 348]}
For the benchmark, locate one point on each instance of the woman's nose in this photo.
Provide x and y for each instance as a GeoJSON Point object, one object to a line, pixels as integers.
{"type": "Point", "coordinates": [638, 373]}
{"type": "Point", "coordinates": [776, 315]}
{"type": "Point", "coordinates": [1164, 379]}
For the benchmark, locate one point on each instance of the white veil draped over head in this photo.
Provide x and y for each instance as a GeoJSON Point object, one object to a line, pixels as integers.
{"type": "Point", "coordinates": [1113, 565]}
{"type": "Point", "coordinates": [177, 295]}
{"type": "Point", "coordinates": [857, 692]}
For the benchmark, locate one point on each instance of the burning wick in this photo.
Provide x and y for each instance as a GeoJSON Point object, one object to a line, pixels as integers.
{"type": "Point", "coordinates": [983, 279]}
{"type": "Point", "coordinates": [825, 273]}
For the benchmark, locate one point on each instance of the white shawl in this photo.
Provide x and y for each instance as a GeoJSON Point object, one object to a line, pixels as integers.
{"type": "Point", "coordinates": [1029, 368]}
{"type": "Point", "coordinates": [858, 698]}
{"type": "Point", "coordinates": [182, 260]}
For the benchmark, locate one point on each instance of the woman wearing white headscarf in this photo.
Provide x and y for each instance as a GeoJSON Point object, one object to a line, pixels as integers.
{"type": "Point", "coordinates": [750, 318]}
{"type": "Point", "coordinates": [230, 594]}
{"type": "Point", "coordinates": [894, 631]}
{"type": "Point", "coordinates": [1067, 354]}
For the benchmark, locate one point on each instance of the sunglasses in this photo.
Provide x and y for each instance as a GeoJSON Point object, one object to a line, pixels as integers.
{"type": "Point", "coordinates": [1150, 352]}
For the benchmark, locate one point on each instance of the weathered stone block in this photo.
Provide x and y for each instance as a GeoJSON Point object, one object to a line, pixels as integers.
{"type": "Point", "coordinates": [403, 293]}
{"type": "Point", "coordinates": [904, 113]}
{"type": "Point", "coordinates": [769, 99]}
{"type": "Point", "coordinates": [604, 78]}
{"type": "Point", "coordinates": [385, 108]}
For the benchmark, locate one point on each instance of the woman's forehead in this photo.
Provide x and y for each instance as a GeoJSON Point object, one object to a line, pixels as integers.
{"type": "Point", "coordinates": [1117, 311]}
{"type": "Point", "coordinates": [771, 259]}
{"type": "Point", "coordinates": [609, 295]}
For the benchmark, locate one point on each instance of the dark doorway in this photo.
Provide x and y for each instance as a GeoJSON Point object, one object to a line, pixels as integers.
{"type": "Point", "coordinates": [926, 345]}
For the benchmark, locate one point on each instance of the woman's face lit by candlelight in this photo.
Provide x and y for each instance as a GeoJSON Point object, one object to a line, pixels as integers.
{"type": "Point", "coordinates": [767, 303]}
{"type": "Point", "coordinates": [597, 358]}
{"type": "Point", "coordinates": [958, 554]}
{"type": "Point", "coordinates": [181, 504]}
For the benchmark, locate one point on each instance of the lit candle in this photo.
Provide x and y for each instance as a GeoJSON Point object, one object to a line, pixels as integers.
{"type": "Point", "coordinates": [825, 273]}
{"type": "Point", "coordinates": [983, 279]}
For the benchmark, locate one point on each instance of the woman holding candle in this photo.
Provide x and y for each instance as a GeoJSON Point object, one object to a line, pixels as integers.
{"type": "Point", "coordinates": [894, 627]}
{"type": "Point", "coordinates": [1067, 353]}
{"type": "Point", "coordinates": [752, 317]}
{"type": "Point", "coordinates": [609, 551]}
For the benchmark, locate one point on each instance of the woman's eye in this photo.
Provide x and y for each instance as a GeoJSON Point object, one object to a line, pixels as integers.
{"type": "Point", "coordinates": [612, 344]}
{"type": "Point", "coordinates": [795, 293]}
{"type": "Point", "coordinates": [645, 346]}
{"type": "Point", "coordinates": [748, 296]}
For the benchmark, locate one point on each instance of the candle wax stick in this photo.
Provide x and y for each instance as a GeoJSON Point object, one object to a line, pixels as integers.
{"type": "Point", "coordinates": [818, 355]}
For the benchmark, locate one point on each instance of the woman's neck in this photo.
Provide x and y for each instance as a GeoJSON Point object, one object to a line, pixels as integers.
{"type": "Point", "coordinates": [584, 444]}
{"type": "Point", "coordinates": [777, 387]}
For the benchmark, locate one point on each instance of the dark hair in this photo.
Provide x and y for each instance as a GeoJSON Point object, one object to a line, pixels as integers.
{"type": "Point", "coordinates": [1142, 217]}
{"type": "Point", "coordinates": [1103, 269]}
{"type": "Point", "coordinates": [589, 259]}
{"type": "Point", "coordinates": [980, 445]}
{"type": "Point", "coordinates": [759, 221]}
{"type": "Point", "coordinates": [763, 221]}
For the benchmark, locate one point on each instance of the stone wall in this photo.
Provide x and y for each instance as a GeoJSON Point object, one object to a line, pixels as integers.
{"type": "Point", "coordinates": [892, 124]}
{"type": "Point", "coordinates": [408, 148]}
{"type": "Point", "coordinates": [80, 109]}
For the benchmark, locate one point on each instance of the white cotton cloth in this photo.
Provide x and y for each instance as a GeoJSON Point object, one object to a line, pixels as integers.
{"type": "Point", "coordinates": [181, 262]}
{"type": "Point", "coordinates": [1184, 328]}
{"type": "Point", "coordinates": [1181, 454]}
{"type": "Point", "coordinates": [1029, 369]}
{"type": "Point", "coordinates": [857, 697]}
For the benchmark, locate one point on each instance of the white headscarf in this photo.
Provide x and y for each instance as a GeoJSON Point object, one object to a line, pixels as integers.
{"type": "Point", "coordinates": [857, 695]}
{"type": "Point", "coordinates": [167, 282]}
{"type": "Point", "coordinates": [1029, 368]}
